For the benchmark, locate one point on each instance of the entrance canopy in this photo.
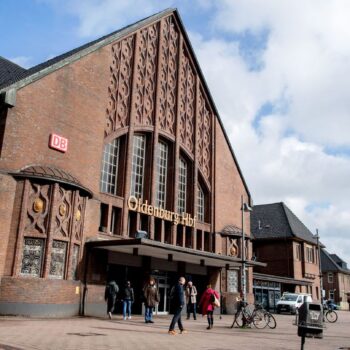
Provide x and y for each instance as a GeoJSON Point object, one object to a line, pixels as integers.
{"type": "Point", "coordinates": [148, 247]}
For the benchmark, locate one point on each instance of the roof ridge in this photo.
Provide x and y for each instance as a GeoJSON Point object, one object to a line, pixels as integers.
{"type": "Point", "coordinates": [11, 62]}
{"type": "Point", "coordinates": [40, 67]}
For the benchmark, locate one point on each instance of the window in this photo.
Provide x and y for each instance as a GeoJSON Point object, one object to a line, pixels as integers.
{"type": "Point", "coordinates": [200, 203]}
{"type": "Point", "coordinates": [310, 256]}
{"type": "Point", "coordinates": [32, 257]}
{"type": "Point", "coordinates": [181, 203]}
{"type": "Point", "coordinates": [330, 277]}
{"type": "Point", "coordinates": [232, 281]}
{"type": "Point", "coordinates": [331, 294]}
{"type": "Point", "coordinates": [58, 259]}
{"type": "Point", "coordinates": [162, 168]}
{"type": "Point", "coordinates": [298, 251]}
{"type": "Point", "coordinates": [109, 167]}
{"type": "Point", "coordinates": [75, 260]}
{"type": "Point", "coordinates": [138, 166]}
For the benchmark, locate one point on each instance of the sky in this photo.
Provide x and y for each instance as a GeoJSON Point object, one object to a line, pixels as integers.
{"type": "Point", "coordinates": [278, 71]}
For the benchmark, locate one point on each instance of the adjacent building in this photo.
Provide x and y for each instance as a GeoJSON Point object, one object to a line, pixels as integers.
{"type": "Point", "coordinates": [290, 252]}
{"type": "Point", "coordinates": [336, 279]}
{"type": "Point", "coordinates": [115, 164]}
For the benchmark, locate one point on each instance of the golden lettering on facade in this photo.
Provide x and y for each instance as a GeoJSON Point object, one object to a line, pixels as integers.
{"type": "Point", "coordinates": [137, 205]}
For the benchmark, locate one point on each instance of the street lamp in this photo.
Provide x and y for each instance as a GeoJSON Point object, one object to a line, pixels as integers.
{"type": "Point", "coordinates": [244, 208]}
{"type": "Point", "coordinates": [319, 265]}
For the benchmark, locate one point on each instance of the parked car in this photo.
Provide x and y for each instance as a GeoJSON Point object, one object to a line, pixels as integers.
{"type": "Point", "coordinates": [290, 302]}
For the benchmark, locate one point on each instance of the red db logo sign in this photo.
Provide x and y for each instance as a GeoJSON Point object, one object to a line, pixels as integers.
{"type": "Point", "coordinates": [58, 142]}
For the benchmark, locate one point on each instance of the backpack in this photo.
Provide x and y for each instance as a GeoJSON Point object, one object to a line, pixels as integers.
{"type": "Point", "coordinates": [172, 293]}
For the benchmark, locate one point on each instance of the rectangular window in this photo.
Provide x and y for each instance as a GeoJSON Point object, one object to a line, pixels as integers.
{"type": "Point", "coordinates": [232, 281]}
{"type": "Point", "coordinates": [138, 166]}
{"type": "Point", "coordinates": [110, 167]}
{"type": "Point", "coordinates": [116, 217]}
{"type": "Point", "coordinates": [181, 203]}
{"type": "Point", "coordinates": [310, 258]}
{"type": "Point", "coordinates": [75, 261]}
{"type": "Point", "coordinates": [162, 169]}
{"type": "Point", "coordinates": [331, 294]}
{"type": "Point", "coordinates": [330, 277]}
{"type": "Point", "coordinates": [200, 204]}
{"type": "Point", "coordinates": [33, 251]}
{"type": "Point", "coordinates": [58, 259]}
{"type": "Point", "coordinates": [298, 251]}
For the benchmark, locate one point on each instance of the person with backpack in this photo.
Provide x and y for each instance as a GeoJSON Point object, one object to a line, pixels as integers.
{"type": "Point", "coordinates": [127, 298]}
{"type": "Point", "coordinates": [151, 297]}
{"type": "Point", "coordinates": [209, 300]}
{"type": "Point", "coordinates": [111, 292]}
{"type": "Point", "coordinates": [178, 302]}
{"type": "Point", "coordinates": [191, 299]}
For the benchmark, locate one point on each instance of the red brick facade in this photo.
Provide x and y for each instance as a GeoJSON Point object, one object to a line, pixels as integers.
{"type": "Point", "coordinates": [146, 82]}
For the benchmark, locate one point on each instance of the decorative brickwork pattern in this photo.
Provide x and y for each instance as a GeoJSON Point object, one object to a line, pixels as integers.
{"type": "Point", "coordinates": [38, 208]}
{"type": "Point", "coordinates": [63, 212]}
{"type": "Point", "coordinates": [168, 75]}
{"type": "Point", "coordinates": [187, 102]}
{"type": "Point", "coordinates": [120, 85]}
{"type": "Point", "coordinates": [204, 136]}
{"type": "Point", "coordinates": [78, 217]}
{"type": "Point", "coordinates": [146, 68]}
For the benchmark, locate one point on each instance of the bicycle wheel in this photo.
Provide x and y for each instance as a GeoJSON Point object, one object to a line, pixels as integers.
{"type": "Point", "coordinates": [331, 316]}
{"type": "Point", "coordinates": [271, 321]}
{"type": "Point", "coordinates": [259, 319]}
{"type": "Point", "coordinates": [238, 319]}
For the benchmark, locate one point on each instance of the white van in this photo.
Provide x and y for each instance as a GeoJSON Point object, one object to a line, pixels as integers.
{"type": "Point", "coordinates": [290, 302]}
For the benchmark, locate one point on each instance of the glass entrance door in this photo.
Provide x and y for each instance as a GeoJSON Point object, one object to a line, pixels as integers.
{"type": "Point", "coordinates": [163, 305]}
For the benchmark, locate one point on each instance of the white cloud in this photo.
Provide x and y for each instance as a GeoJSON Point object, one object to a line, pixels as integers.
{"type": "Point", "coordinates": [23, 61]}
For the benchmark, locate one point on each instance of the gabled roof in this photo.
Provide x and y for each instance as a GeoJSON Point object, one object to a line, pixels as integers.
{"type": "Point", "coordinates": [42, 69]}
{"type": "Point", "coordinates": [9, 72]}
{"type": "Point", "coordinates": [47, 67]}
{"type": "Point", "coordinates": [328, 264]}
{"type": "Point", "coordinates": [276, 221]}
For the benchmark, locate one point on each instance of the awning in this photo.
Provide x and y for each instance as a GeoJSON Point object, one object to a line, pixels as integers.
{"type": "Point", "coordinates": [148, 247]}
{"type": "Point", "coordinates": [280, 279]}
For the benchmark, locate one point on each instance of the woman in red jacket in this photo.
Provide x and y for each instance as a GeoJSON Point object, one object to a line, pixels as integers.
{"type": "Point", "coordinates": [207, 303]}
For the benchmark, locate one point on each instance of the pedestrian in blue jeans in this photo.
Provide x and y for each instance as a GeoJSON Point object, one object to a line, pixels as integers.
{"type": "Point", "coordinates": [151, 297]}
{"type": "Point", "coordinates": [128, 299]}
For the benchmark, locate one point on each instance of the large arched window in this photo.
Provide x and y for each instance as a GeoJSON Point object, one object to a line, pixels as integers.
{"type": "Point", "coordinates": [181, 202]}
{"type": "Point", "coordinates": [162, 169]}
{"type": "Point", "coordinates": [138, 166]}
{"type": "Point", "coordinates": [109, 173]}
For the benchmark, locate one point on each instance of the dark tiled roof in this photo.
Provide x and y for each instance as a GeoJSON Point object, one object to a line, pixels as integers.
{"type": "Point", "coordinates": [273, 221]}
{"type": "Point", "coordinates": [57, 59]}
{"type": "Point", "coordinates": [10, 71]}
{"type": "Point", "coordinates": [329, 264]}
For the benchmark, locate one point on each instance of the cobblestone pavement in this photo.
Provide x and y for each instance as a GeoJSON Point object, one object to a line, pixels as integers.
{"type": "Point", "coordinates": [101, 334]}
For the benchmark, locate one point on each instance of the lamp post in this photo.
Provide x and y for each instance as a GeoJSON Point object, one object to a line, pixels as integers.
{"type": "Point", "coordinates": [319, 265]}
{"type": "Point", "coordinates": [244, 207]}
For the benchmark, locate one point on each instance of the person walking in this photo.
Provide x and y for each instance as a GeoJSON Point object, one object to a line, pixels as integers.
{"type": "Point", "coordinates": [178, 301]}
{"type": "Point", "coordinates": [111, 292]}
{"type": "Point", "coordinates": [191, 300]}
{"type": "Point", "coordinates": [127, 299]}
{"type": "Point", "coordinates": [151, 295]}
{"type": "Point", "coordinates": [208, 302]}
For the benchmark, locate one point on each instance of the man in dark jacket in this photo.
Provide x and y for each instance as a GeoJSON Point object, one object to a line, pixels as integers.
{"type": "Point", "coordinates": [178, 300]}
{"type": "Point", "coordinates": [111, 292]}
{"type": "Point", "coordinates": [127, 299]}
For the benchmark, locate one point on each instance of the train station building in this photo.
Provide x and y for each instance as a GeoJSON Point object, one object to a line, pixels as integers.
{"type": "Point", "coordinates": [115, 164]}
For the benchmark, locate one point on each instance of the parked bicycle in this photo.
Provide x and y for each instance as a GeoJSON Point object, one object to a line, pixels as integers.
{"type": "Point", "coordinates": [253, 314]}
{"type": "Point", "coordinates": [330, 315]}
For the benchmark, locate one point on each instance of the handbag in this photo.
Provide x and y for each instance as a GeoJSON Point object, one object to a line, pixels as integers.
{"type": "Point", "coordinates": [216, 301]}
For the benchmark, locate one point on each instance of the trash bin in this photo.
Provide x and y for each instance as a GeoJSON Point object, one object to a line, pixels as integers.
{"type": "Point", "coordinates": [310, 322]}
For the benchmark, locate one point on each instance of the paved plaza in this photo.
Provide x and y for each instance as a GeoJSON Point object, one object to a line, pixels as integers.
{"type": "Point", "coordinates": [102, 334]}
